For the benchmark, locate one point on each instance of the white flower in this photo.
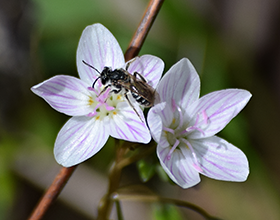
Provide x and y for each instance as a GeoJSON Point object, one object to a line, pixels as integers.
{"type": "Point", "coordinates": [184, 126]}
{"type": "Point", "coordinates": [95, 115]}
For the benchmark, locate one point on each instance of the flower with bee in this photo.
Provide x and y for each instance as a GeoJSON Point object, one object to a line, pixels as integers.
{"type": "Point", "coordinates": [104, 109]}
{"type": "Point", "coordinates": [119, 80]}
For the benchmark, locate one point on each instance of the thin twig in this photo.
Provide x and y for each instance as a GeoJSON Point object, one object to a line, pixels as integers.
{"type": "Point", "coordinates": [143, 29]}
{"type": "Point", "coordinates": [52, 192]}
{"type": "Point", "coordinates": [153, 198]}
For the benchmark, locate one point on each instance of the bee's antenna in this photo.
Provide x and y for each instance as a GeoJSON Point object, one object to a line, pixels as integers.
{"type": "Point", "coordinates": [95, 81]}
{"type": "Point", "coordinates": [95, 70]}
{"type": "Point", "coordinates": [91, 67]}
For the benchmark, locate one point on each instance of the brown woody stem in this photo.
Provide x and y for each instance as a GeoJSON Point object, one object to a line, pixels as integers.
{"type": "Point", "coordinates": [52, 193]}
{"type": "Point", "coordinates": [143, 29]}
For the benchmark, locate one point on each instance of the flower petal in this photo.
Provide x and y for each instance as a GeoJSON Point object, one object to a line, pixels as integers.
{"type": "Point", "coordinates": [221, 160]}
{"type": "Point", "coordinates": [216, 109]}
{"type": "Point", "coordinates": [127, 125]}
{"type": "Point", "coordinates": [181, 84]}
{"type": "Point", "coordinates": [78, 140]}
{"type": "Point", "coordinates": [179, 167]}
{"type": "Point", "coordinates": [65, 94]}
{"type": "Point", "coordinates": [151, 67]}
{"type": "Point", "coordinates": [154, 120]}
{"type": "Point", "coordinates": [99, 48]}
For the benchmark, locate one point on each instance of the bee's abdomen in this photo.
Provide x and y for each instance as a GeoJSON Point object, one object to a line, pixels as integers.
{"type": "Point", "coordinates": [140, 99]}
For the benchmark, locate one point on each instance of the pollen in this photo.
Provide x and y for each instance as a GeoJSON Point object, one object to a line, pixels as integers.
{"type": "Point", "coordinates": [119, 97]}
{"type": "Point", "coordinates": [97, 117]}
{"type": "Point", "coordinates": [173, 121]}
{"type": "Point", "coordinates": [90, 101]}
{"type": "Point", "coordinates": [114, 112]}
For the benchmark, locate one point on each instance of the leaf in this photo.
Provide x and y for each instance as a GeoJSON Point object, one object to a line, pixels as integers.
{"type": "Point", "coordinates": [146, 168]}
{"type": "Point", "coordinates": [166, 212]}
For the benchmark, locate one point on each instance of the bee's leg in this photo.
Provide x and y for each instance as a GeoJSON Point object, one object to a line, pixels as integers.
{"type": "Point", "coordinates": [103, 90]}
{"type": "Point", "coordinates": [131, 61]}
{"type": "Point", "coordinates": [125, 94]}
{"type": "Point", "coordinates": [117, 90]}
{"type": "Point", "coordinates": [114, 91]}
{"type": "Point", "coordinates": [140, 75]}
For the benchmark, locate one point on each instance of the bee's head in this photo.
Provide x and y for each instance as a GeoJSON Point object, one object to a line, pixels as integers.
{"type": "Point", "coordinates": [105, 75]}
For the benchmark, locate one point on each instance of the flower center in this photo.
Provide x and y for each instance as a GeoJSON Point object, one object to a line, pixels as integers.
{"type": "Point", "coordinates": [178, 131]}
{"type": "Point", "coordinates": [104, 104]}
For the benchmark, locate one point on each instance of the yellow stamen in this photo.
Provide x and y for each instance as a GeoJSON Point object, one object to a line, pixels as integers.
{"type": "Point", "coordinates": [90, 101]}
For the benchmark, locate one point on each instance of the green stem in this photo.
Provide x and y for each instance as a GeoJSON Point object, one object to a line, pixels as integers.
{"type": "Point", "coordinates": [106, 203]}
{"type": "Point", "coordinates": [119, 210]}
{"type": "Point", "coordinates": [148, 149]}
{"type": "Point", "coordinates": [155, 198]}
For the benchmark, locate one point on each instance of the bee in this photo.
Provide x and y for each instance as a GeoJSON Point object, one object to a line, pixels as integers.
{"type": "Point", "coordinates": [121, 80]}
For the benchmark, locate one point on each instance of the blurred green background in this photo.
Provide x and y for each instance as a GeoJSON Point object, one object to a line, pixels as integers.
{"type": "Point", "coordinates": [232, 44]}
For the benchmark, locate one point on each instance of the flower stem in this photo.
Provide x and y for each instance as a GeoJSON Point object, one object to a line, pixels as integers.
{"type": "Point", "coordinates": [105, 205]}
{"type": "Point", "coordinates": [52, 193]}
{"type": "Point", "coordinates": [155, 198]}
{"type": "Point", "coordinates": [129, 160]}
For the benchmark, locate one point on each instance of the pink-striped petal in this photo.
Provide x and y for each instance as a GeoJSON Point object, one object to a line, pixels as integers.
{"type": "Point", "coordinates": [179, 167]}
{"type": "Point", "coordinates": [99, 48]}
{"type": "Point", "coordinates": [151, 67]}
{"type": "Point", "coordinates": [216, 109]}
{"type": "Point", "coordinates": [180, 84]}
{"type": "Point", "coordinates": [65, 94]}
{"type": "Point", "coordinates": [78, 140]}
{"type": "Point", "coordinates": [221, 160]}
{"type": "Point", "coordinates": [126, 125]}
{"type": "Point", "coordinates": [154, 120]}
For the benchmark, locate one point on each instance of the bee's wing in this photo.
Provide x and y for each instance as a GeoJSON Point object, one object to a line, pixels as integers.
{"type": "Point", "coordinates": [140, 88]}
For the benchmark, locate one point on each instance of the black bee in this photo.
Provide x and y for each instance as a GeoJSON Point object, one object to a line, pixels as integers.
{"type": "Point", "coordinates": [120, 79]}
